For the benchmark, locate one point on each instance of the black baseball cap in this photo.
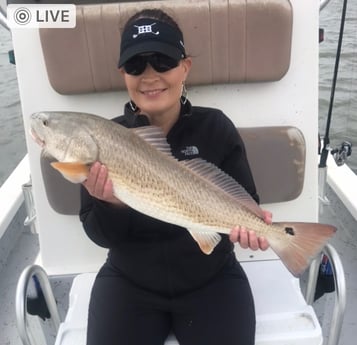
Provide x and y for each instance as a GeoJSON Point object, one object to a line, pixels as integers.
{"type": "Point", "coordinates": [151, 36]}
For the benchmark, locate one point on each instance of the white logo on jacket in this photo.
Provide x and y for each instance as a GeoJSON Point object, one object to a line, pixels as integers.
{"type": "Point", "coordinates": [190, 151]}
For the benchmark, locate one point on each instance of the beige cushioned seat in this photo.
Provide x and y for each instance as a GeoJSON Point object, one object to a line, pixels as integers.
{"type": "Point", "coordinates": [229, 41]}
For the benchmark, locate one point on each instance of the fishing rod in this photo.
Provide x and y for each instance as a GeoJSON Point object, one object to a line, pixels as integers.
{"type": "Point", "coordinates": [321, 276]}
{"type": "Point", "coordinates": [326, 139]}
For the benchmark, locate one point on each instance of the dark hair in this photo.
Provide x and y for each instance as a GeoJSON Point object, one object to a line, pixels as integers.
{"type": "Point", "coordinates": [154, 13]}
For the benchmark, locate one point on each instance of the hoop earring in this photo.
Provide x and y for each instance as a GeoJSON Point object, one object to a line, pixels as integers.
{"type": "Point", "coordinates": [133, 106]}
{"type": "Point", "coordinates": [184, 94]}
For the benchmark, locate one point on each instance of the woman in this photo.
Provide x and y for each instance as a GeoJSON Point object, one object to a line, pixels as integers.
{"type": "Point", "coordinates": [156, 279]}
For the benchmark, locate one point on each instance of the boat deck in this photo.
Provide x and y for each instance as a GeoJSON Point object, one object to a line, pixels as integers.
{"type": "Point", "coordinates": [26, 249]}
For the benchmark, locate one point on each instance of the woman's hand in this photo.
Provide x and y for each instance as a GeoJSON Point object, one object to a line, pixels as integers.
{"type": "Point", "coordinates": [248, 238]}
{"type": "Point", "coordinates": [99, 185]}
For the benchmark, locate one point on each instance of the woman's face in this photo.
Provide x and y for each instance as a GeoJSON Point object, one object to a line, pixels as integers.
{"type": "Point", "coordinates": [156, 93]}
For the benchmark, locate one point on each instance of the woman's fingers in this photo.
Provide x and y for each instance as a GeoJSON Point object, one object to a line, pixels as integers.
{"type": "Point", "coordinates": [91, 180]}
{"type": "Point", "coordinates": [99, 185]}
{"type": "Point", "coordinates": [268, 217]}
{"type": "Point", "coordinates": [99, 188]}
{"type": "Point", "coordinates": [248, 239]}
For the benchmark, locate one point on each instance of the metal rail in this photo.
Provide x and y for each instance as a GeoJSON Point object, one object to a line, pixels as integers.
{"type": "Point", "coordinates": [21, 301]}
{"type": "Point", "coordinates": [30, 206]}
{"type": "Point", "coordinates": [340, 291]}
{"type": "Point", "coordinates": [323, 4]}
{"type": "Point", "coordinates": [3, 19]}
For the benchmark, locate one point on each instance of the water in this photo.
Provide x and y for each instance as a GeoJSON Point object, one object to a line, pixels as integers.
{"type": "Point", "coordinates": [343, 125]}
{"type": "Point", "coordinates": [12, 137]}
{"type": "Point", "coordinates": [344, 116]}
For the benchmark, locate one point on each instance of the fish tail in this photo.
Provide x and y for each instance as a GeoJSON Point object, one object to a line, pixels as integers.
{"type": "Point", "coordinates": [300, 243]}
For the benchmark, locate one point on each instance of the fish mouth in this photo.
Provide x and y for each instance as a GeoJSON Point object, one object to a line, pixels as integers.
{"type": "Point", "coordinates": [36, 138]}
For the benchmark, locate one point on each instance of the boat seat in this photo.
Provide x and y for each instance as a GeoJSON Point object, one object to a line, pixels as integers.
{"type": "Point", "coordinates": [229, 42]}
{"type": "Point", "coordinates": [293, 322]}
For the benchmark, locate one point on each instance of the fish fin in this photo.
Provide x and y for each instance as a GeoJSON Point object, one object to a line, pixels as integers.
{"type": "Point", "coordinates": [207, 241]}
{"type": "Point", "coordinates": [229, 185]}
{"type": "Point", "coordinates": [154, 136]}
{"type": "Point", "coordinates": [305, 242]}
{"type": "Point", "coordinates": [73, 172]}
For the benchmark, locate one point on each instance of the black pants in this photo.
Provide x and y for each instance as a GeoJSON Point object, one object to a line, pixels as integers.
{"type": "Point", "coordinates": [220, 313]}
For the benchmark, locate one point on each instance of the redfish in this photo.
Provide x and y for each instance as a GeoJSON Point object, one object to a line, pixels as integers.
{"type": "Point", "coordinates": [193, 194]}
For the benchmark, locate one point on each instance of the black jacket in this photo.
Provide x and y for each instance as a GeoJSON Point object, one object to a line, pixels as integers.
{"type": "Point", "coordinates": [156, 255]}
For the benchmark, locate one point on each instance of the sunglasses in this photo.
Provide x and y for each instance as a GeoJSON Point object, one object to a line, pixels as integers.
{"type": "Point", "coordinates": [159, 62]}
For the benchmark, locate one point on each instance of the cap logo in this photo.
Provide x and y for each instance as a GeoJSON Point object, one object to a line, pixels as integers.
{"type": "Point", "coordinates": [145, 29]}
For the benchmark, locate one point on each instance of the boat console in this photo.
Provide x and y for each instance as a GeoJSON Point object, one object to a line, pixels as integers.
{"type": "Point", "coordinates": [257, 60]}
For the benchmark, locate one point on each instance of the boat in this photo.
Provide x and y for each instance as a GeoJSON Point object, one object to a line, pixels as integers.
{"type": "Point", "coordinates": [263, 72]}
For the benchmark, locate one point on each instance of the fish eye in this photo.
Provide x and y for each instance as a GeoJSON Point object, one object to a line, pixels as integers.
{"type": "Point", "coordinates": [45, 123]}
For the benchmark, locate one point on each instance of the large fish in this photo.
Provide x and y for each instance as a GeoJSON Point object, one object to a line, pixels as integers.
{"type": "Point", "coordinates": [193, 194]}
